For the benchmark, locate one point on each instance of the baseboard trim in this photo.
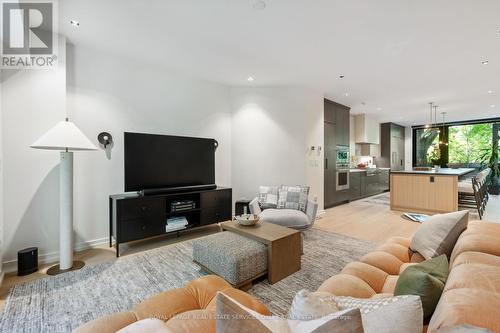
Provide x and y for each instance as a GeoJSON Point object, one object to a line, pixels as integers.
{"type": "Point", "coordinates": [321, 213]}
{"type": "Point", "coordinates": [53, 257]}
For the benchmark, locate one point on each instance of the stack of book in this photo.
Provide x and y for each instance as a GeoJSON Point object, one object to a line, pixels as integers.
{"type": "Point", "coordinates": [176, 223]}
{"type": "Point", "coordinates": [182, 205]}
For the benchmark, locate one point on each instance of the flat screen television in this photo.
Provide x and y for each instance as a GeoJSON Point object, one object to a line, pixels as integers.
{"type": "Point", "coordinates": [164, 161]}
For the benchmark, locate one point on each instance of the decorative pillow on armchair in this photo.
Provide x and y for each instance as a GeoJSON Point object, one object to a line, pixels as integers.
{"type": "Point", "coordinates": [268, 196]}
{"type": "Point", "coordinates": [293, 197]}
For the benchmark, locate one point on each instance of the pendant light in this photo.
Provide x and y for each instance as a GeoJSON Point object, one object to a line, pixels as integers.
{"type": "Point", "coordinates": [435, 119]}
{"type": "Point", "coordinates": [444, 142]}
{"type": "Point", "coordinates": [429, 125]}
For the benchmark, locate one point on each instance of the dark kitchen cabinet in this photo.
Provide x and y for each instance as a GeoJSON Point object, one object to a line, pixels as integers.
{"type": "Point", "coordinates": [355, 185]}
{"type": "Point", "coordinates": [383, 178]}
{"type": "Point", "coordinates": [342, 126]}
{"type": "Point", "coordinates": [367, 183]}
{"type": "Point", "coordinates": [336, 133]}
{"type": "Point", "coordinates": [392, 149]}
{"type": "Point", "coordinates": [371, 184]}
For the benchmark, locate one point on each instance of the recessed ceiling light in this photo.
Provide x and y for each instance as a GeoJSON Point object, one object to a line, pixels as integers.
{"type": "Point", "coordinates": [346, 94]}
{"type": "Point", "coordinates": [74, 23]}
{"type": "Point", "coordinates": [490, 91]}
{"type": "Point", "coordinates": [259, 5]}
{"type": "Point", "coordinates": [250, 79]}
{"type": "Point", "coordinates": [492, 105]}
{"type": "Point", "coordinates": [485, 62]}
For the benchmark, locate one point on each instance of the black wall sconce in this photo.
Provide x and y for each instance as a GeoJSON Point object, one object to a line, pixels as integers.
{"type": "Point", "coordinates": [105, 139]}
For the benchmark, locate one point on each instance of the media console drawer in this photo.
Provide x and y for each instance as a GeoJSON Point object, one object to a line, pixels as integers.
{"type": "Point", "coordinates": [131, 230]}
{"type": "Point", "coordinates": [139, 208]}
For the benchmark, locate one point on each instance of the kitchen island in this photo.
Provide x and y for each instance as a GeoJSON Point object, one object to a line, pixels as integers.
{"type": "Point", "coordinates": [426, 191]}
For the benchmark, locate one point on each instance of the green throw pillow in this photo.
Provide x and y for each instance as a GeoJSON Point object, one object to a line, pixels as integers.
{"type": "Point", "coordinates": [427, 280]}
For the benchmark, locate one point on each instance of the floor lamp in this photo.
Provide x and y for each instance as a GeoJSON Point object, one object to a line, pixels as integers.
{"type": "Point", "coordinates": [66, 137]}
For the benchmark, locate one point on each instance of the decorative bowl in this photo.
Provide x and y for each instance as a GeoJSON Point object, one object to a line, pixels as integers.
{"type": "Point", "coordinates": [247, 219]}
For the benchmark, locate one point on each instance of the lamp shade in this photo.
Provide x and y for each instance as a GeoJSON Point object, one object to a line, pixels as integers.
{"type": "Point", "coordinates": [64, 136]}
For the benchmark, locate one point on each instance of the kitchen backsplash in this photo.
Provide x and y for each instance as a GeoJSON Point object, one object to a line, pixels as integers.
{"type": "Point", "coordinates": [355, 160]}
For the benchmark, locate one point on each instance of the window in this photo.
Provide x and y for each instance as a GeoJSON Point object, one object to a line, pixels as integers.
{"type": "Point", "coordinates": [425, 141]}
{"type": "Point", "coordinates": [468, 144]}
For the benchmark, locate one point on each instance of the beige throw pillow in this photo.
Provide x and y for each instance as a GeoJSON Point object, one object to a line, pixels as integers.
{"type": "Point", "coordinates": [378, 314]}
{"type": "Point", "coordinates": [149, 325]}
{"type": "Point", "coordinates": [308, 305]}
{"type": "Point", "coordinates": [439, 233]}
{"type": "Point", "coordinates": [232, 316]}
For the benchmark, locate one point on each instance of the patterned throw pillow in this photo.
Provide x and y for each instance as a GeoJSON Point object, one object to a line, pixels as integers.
{"type": "Point", "coordinates": [308, 305]}
{"type": "Point", "coordinates": [293, 197]}
{"type": "Point", "coordinates": [268, 196]}
{"type": "Point", "coordinates": [231, 316]}
{"type": "Point", "coordinates": [388, 315]}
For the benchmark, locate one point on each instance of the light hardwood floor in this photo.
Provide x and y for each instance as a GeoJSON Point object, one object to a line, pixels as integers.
{"type": "Point", "coordinates": [360, 219]}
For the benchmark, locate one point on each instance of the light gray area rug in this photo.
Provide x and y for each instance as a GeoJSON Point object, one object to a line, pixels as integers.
{"type": "Point", "coordinates": [62, 303]}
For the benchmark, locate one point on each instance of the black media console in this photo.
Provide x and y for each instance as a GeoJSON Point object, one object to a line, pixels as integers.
{"type": "Point", "coordinates": [134, 217]}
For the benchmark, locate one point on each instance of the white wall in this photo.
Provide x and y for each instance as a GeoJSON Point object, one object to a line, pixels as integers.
{"type": "Point", "coordinates": [264, 135]}
{"type": "Point", "coordinates": [104, 93]}
{"type": "Point", "coordinates": [32, 102]}
{"type": "Point", "coordinates": [273, 130]}
{"type": "Point", "coordinates": [408, 148]}
{"type": "Point", "coordinates": [107, 93]}
{"type": "Point", "coordinates": [1, 183]}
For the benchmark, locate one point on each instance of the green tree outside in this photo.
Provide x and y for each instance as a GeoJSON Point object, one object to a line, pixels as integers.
{"type": "Point", "coordinates": [467, 143]}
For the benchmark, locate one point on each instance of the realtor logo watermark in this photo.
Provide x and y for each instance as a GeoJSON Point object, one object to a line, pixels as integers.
{"type": "Point", "coordinates": [29, 38]}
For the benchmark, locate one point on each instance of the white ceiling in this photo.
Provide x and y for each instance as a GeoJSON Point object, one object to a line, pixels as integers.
{"type": "Point", "coordinates": [396, 55]}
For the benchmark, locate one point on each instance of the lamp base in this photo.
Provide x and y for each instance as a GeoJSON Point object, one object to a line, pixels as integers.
{"type": "Point", "coordinates": [55, 270]}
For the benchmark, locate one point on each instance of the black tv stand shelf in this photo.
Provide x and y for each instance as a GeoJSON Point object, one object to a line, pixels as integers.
{"type": "Point", "coordinates": [134, 217]}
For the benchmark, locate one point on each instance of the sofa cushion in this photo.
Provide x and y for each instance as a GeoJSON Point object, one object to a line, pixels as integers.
{"type": "Point", "coordinates": [473, 257]}
{"type": "Point", "coordinates": [377, 314]}
{"type": "Point", "coordinates": [202, 320]}
{"type": "Point", "coordinates": [293, 197]}
{"type": "Point", "coordinates": [150, 325]}
{"type": "Point", "coordinates": [286, 217]}
{"type": "Point", "coordinates": [426, 280]}
{"type": "Point", "coordinates": [232, 316]}
{"type": "Point", "coordinates": [464, 329]}
{"type": "Point", "coordinates": [388, 314]}
{"type": "Point", "coordinates": [439, 234]}
{"type": "Point", "coordinates": [466, 306]}
{"type": "Point", "coordinates": [308, 305]}
{"type": "Point", "coordinates": [268, 196]}
{"type": "Point", "coordinates": [479, 237]}
{"type": "Point", "coordinates": [475, 276]}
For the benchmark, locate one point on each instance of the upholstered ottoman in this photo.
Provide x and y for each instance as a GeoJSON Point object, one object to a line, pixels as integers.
{"type": "Point", "coordinates": [237, 259]}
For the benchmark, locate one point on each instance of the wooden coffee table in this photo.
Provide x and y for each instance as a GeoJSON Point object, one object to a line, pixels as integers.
{"type": "Point", "coordinates": [284, 246]}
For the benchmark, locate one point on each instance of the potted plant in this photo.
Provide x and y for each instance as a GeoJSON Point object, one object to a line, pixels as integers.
{"type": "Point", "coordinates": [490, 159]}
{"type": "Point", "coordinates": [434, 155]}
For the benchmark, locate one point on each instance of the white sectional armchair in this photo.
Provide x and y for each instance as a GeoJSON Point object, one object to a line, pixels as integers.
{"type": "Point", "coordinates": [300, 219]}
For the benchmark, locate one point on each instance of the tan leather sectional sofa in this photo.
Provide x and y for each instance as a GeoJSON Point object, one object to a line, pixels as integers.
{"type": "Point", "coordinates": [472, 291]}
{"type": "Point", "coordinates": [471, 295]}
{"type": "Point", "coordinates": [188, 309]}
